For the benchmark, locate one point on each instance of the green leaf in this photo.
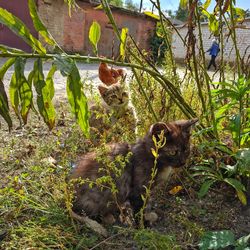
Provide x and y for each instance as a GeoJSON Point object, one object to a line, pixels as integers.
{"type": "Point", "coordinates": [208, 169]}
{"type": "Point", "coordinates": [221, 110]}
{"type": "Point", "coordinates": [237, 185]}
{"type": "Point", "coordinates": [44, 102]}
{"type": "Point", "coordinates": [13, 92]}
{"type": "Point", "coordinates": [206, 4]}
{"type": "Point", "coordinates": [24, 89]}
{"type": "Point", "coordinates": [226, 84]}
{"type": "Point", "coordinates": [124, 34]}
{"type": "Point", "coordinates": [243, 243]}
{"type": "Point", "coordinates": [205, 187]}
{"type": "Point", "coordinates": [240, 13]}
{"type": "Point", "coordinates": [77, 99]}
{"type": "Point", "coordinates": [6, 66]}
{"type": "Point", "coordinates": [50, 82]}
{"type": "Point", "coordinates": [94, 35]}
{"type": "Point", "coordinates": [242, 197]}
{"type": "Point", "coordinates": [216, 240]}
{"type": "Point", "coordinates": [30, 80]}
{"type": "Point", "coordinates": [64, 64]}
{"type": "Point", "coordinates": [7, 49]}
{"type": "Point", "coordinates": [20, 29]}
{"type": "Point", "coordinates": [39, 26]}
{"type": "Point", "coordinates": [213, 23]}
{"type": "Point", "coordinates": [4, 107]}
{"type": "Point", "coordinates": [148, 13]}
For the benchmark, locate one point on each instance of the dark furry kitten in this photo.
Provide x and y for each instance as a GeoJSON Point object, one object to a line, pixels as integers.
{"type": "Point", "coordinates": [137, 171]}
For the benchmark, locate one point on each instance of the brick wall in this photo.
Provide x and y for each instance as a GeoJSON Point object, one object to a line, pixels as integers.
{"type": "Point", "coordinates": [71, 33]}
{"type": "Point", "coordinates": [243, 41]}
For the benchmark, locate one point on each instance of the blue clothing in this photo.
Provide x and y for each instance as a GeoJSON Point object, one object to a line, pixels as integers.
{"type": "Point", "coordinates": [214, 50]}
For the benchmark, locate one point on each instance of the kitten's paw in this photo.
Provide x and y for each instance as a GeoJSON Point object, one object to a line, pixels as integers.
{"type": "Point", "coordinates": [109, 219]}
{"type": "Point", "coordinates": [126, 216]}
{"type": "Point", "coordinates": [151, 217]}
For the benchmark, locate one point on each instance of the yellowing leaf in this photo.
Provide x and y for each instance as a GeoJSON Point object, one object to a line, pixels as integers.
{"type": "Point", "coordinates": [99, 7]}
{"type": "Point", "coordinates": [242, 197]}
{"type": "Point", "coordinates": [95, 34]}
{"type": "Point", "coordinates": [38, 24]}
{"type": "Point", "coordinates": [175, 190]}
{"type": "Point", "coordinates": [148, 13]}
{"type": "Point", "coordinates": [21, 191]}
{"type": "Point", "coordinates": [184, 4]}
{"type": "Point", "coordinates": [124, 34]}
{"type": "Point", "coordinates": [206, 4]}
{"type": "Point", "coordinates": [240, 13]}
{"type": "Point", "coordinates": [154, 153]}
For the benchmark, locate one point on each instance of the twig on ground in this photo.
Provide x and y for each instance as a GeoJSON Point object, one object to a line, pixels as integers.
{"type": "Point", "coordinates": [92, 224]}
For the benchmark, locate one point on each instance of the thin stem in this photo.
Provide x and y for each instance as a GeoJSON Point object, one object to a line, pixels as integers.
{"type": "Point", "coordinates": [143, 56]}
{"type": "Point", "coordinates": [145, 95]}
{"type": "Point", "coordinates": [167, 40]}
{"type": "Point", "coordinates": [191, 47]}
{"type": "Point", "coordinates": [222, 63]}
{"type": "Point", "coordinates": [240, 118]}
{"type": "Point", "coordinates": [207, 78]}
{"type": "Point", "coordinates": [233, 35]}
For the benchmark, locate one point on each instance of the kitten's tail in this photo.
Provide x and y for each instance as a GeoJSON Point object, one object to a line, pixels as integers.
{"type": "Point", "coordinates": [92, 224]}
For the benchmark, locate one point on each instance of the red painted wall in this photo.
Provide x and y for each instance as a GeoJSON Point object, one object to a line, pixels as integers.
{"type": "Point", "coordinates": [20, 9]}
{"type": "Point", "coordinates": [72, 32]}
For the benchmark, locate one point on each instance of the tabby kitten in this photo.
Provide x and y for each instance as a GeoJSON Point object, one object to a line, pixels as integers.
{"type": "Point", "coordinates": [114, 111]}
{"type": "Point", "coordinates": [96, 202]}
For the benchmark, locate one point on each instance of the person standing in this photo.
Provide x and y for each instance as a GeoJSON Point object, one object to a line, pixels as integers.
{"type": "Point", "coordinates": [213, 51]}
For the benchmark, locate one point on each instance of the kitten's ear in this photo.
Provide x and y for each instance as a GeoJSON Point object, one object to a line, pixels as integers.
{"type": "Point", "coordinates": [188, 124]}
{"type": "Point", "coordinates": [102, 89]}
{"type": "Point", "coordinates": [156, 129]}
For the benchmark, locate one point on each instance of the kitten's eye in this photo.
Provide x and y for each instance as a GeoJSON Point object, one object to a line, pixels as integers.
{"type": "Point", "coordinates": [124, 94]}
{"type": "Point", "coordinates": [173, 152]}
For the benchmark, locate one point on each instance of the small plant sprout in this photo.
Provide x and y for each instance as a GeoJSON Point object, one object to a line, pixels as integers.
{"type": "Point", "coordinates": [158, 144]}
